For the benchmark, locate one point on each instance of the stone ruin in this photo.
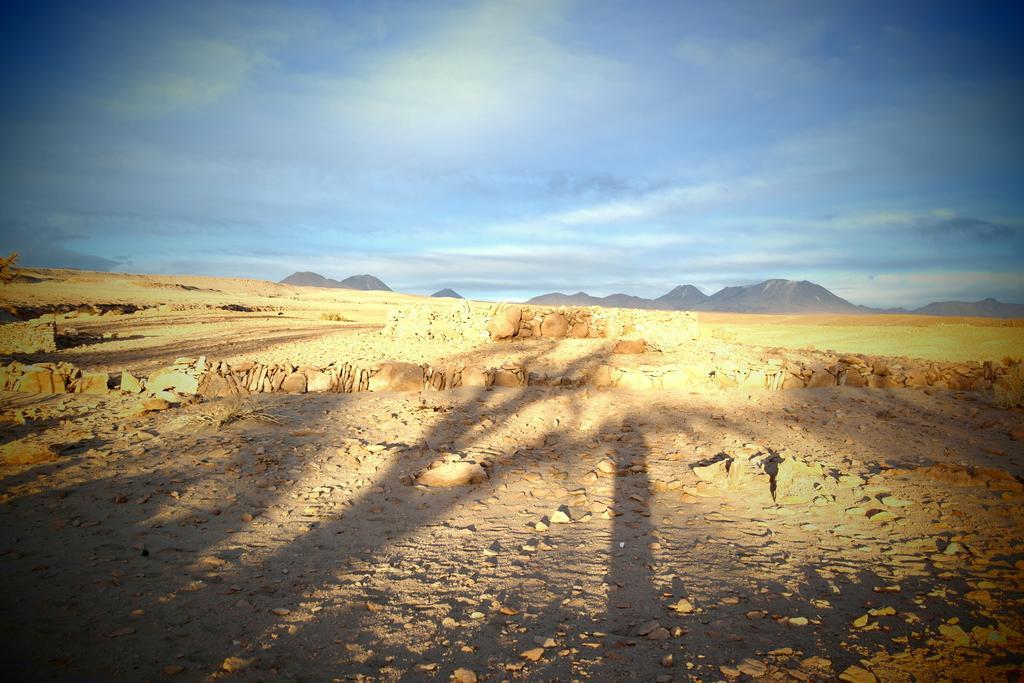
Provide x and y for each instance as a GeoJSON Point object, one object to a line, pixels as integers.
{"type": "Point", "coordinates": [768, 369]}
{"type": "Point", "coordinates": [514, 322]}
{"type": "Point", "coordinates": [191, 376]}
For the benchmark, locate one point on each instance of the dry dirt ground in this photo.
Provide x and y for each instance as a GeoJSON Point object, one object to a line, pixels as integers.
{"type": "Point", "coordinates": [918, 336]}
{"type": "Point", "coordinates": [283, 538]}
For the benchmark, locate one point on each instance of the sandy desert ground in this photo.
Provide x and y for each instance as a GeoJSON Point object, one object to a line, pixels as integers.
{"type": "Point", "coordinates": [282, 537]}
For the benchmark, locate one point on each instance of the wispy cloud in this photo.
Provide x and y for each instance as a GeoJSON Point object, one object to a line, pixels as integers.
{"type": "Point", "coordinates": [183, 75]}
{"type": "Point", "coordinates": [468, 80]}
{"type": "Point", "coordinates": [965, 228]}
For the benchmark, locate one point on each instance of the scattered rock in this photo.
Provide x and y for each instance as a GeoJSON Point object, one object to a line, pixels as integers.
{"type": "Point", "coordinates": [956, 634]}
{"type": "Point", "coordinates": [24, 452]}
{"type": "Point", "coordinates": [561, 516]}
{"type": "Point", "coordinates": [683, 606]}
{"type": "Point", "coordinates": [234, 664]}
{"type": "Point", "coordinates": [130, 384]}
{"type": "Point", "coordinates": [117, 633]}
{"type": "Point", "coordinates": [660, 633]}
{"type": "Point", "coordinates": [151, 405]}
{"type": "Point", "coordinates": [630, 346]}
{"type": "Point", "coordinates": [453, 474]}
{"type": "Point", "coordinates": [648, 627]}
{"type": "Point", "coordinates": [752, 667]}
{"type": "Point", "coordinates": [795, 481]}
{"type": "Point", "coordinates": [533, 654]}
{"type": "Point", "coordinates": [856, 674]}
{"type": "Point", "coordinates": [714, 473]}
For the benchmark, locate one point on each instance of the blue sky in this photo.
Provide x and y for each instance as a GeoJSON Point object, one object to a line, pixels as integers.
{"type": "Point", "coordinates": [507, 149]}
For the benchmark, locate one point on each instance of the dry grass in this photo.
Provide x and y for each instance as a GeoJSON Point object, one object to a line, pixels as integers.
{"type": "Point", "coordinates": [234, 409]}
{"type": "Point", "coordinates": [1009, 393]}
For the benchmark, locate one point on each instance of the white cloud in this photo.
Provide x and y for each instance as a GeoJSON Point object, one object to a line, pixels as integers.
{"type": "Point", "coordinates": [657, 206]}
{"type": "Point", "coordinates": [469, 79]}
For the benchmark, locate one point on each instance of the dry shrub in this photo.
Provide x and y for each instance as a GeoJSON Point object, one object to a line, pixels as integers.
{"type": "Point", "coordinates": [336, 317]}
{"type": "Point", "coordinates": [7, 271]}
{"type": "Point", "coordinates": [234, 409]}
{"type": "Point", "coordinates": [1009, 392]}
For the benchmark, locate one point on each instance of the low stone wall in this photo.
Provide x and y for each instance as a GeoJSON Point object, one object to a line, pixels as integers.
{"type": "Point", "coordinates": [35, 336]}
{"type": "Point", "coordinates": [661, 329]}
{"type": "Point", "coordinates": [793, 371]}
{"type": "Point", "coordinates": [249, 377]}
{"type": "Point", "coordinates": [816, 371]}
{"type": "Point", "coordinates": [188, 376]}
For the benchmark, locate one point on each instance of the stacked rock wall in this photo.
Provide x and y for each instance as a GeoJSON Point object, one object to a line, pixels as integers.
{"type": "Point", "coordinates": [794, 371]}
{"type": "Point", "coordinates": [339, 377]}
{"type": "Point", "coordinates": [813, 371]}
{"type": "Point", "coordinates": [661, 329]}
{"type": "Point", "coordinates": [35, 336]}
{"type": "Point", "coordinates": [189, 376]}
{"type": "Point", "coordinates": [51, 378]}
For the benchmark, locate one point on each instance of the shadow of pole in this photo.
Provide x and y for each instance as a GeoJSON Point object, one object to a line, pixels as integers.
{"type": "Point", "coordinates": [639, 634]}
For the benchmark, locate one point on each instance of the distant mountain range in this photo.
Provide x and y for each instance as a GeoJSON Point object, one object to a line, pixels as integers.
{"type": "Point", "coordinates": [770, 296]}
{"type": "Point", "coordinates": [683, 297]}
{"type": "Point", "coordinates": [365, 283]}
{"type": "Point", "coordinates": [778, 296]}
{"type": "Point", "coordinates": [447, 294]}
{"type": "Point", "coordinates": [986, 308]}
{"type": "Point", "coordinates": [774, 296]}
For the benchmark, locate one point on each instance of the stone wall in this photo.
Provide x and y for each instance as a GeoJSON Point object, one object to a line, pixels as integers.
{"type": "Point", "coordinates": [779, 371]}
{"type": "Point", "coordinates": [35, 336]}
{"type": "Point", "coordinates": [776, 371]}
{"type": "Point", "coordinates": [661, 329]}
{"type": "Point", "coordinates": [248, 377]}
